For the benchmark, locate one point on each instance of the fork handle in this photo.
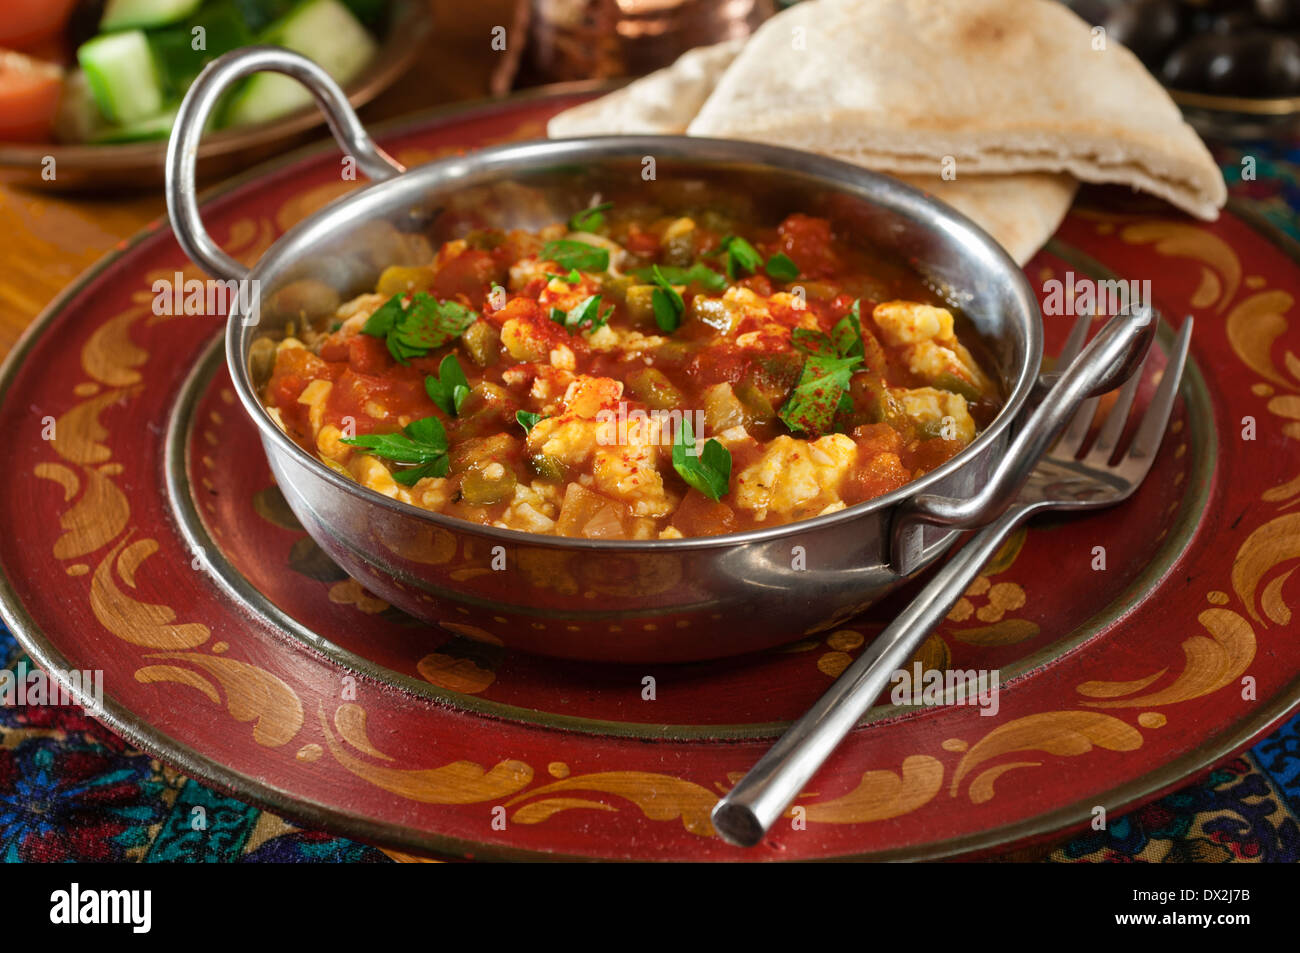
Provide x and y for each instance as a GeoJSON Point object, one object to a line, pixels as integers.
{"type": "Point", "coordinates": [744, 815]}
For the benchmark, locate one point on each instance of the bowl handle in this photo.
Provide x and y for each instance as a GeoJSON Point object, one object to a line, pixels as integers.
{"type": "Point", "coordinates": [1097, 369]}
{"type": "Point", "coordinates": [203, 95]}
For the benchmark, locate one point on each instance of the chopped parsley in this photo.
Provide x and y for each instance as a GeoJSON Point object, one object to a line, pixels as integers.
{"type": "Point", "coordinates": [584, 316]}
{"type": "Point", "coordinates": [696, 274]}
{"type": "Point", "coordinates": [823, 385]}
{"type": "Point", "coordinates": [667, 302]}
{"type": "Point", "coordinates": [419, 326]}
{"type": "Point", "coordinates": [708, 470]}
{"type": "Point", "coordinates": [422, 442]}
{"type": "Point", "coordinates": [740, 255]}
{"type": "Point", "coordinates": [572, 278]}
{"type": "Point", "coordinates": [590, 219]}
{"type": "Point", "coordinates": [782, 267]}
{"type": "Point", "coordinates": [575, 256]}
{"type": "Point", "coordinates": [847, 333]}
{"type": "Point", "coordinates": [528, 420]}
{"type": "Point", "coordinates": [449, 388]}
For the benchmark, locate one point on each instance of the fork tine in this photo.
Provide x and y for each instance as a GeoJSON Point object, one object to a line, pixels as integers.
{"type": "Point", "coordinates": [1137, 460]}
{"type": "Point", "coordinates": [1071, 440]}
{"type": "Point", "coordinates": [1117, 418]}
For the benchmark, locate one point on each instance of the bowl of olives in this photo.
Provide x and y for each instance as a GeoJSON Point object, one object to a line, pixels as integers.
{"type": "Point", "coordinates": [1232, 65]}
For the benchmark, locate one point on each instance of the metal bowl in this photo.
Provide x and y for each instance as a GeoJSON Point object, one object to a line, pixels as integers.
{"type": "Point", "coordinates": [138, 165]}
{"type": "Point", "coordinates": [628, 601]}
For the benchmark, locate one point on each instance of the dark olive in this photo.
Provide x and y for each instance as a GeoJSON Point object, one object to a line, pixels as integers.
{"type": "Point", "coordinates": [1214, 6]}
{"type": "Point", "coordinates": [1230, 24]}
{"type": "Point", "coordinates": [1249, 64]}
{"type": "Point", "coordinates": [1279, 12]}
{"type": "Point", "coordinates": [1147, 27]}
{"type": "Point", "coordinates": [1188, 67]}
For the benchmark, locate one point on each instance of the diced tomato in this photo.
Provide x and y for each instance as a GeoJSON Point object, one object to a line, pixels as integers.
{"type": "Point", "coordinates": [640, 242]}
{"type": "Point", "coordinates": [808, 241]}
{"type": "Point", "coordinates": [876, 438]}
{"type": "Point", "coordinates": [368, 354]}
{"type": "Point", "coordinates": [471, 274]}
{"type": "Point", "coordinates": [29, 97]}
{"type": "Point", "coordinates": [542, 327]}
{"type": "Point", "coordinates": [875, 477]}
{"type": "Point", "coordinates": [295, 368]}
{"type": "Point", "coordinates": [931, 453]}
{"type": "Point", "coordinates": [375, 403]}
{"type": "Point", "coordinates": [700, 516]}
{"type": "Point", "coordinates": [25, 23]}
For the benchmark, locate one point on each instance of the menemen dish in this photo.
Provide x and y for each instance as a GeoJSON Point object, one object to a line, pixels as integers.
{"type": "Point", "coordinates": [630, 374]}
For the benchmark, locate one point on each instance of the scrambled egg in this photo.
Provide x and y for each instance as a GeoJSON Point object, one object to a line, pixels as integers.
{"type": "Point", "coordinates": [314, 395]}
{"type": "Point", "coordinates": [524, 342]}
{"type": "Point", "coordinates": [629, 472]}
{"type": "Point", "coordinates": [930, 406]}
{"type": "Point", "coordinates": [795, 476]}
{"type": "Point", "coordinates": [929, 344]}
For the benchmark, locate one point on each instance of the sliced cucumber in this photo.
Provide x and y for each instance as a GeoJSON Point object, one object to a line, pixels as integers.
{"type": "Point", "coordinates": [123, 76]}
{"type": "Point", "coordinates": [182, 51]}
{"type": "Point", "coordinates": [323, 30]}
{"type": "Point", "coordinates": [144, 14]}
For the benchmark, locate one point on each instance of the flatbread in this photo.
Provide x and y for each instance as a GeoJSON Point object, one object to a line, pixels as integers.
{"type": "Point", "coordinates": [662, 103]}
{"type": "Point", "coordinates": [1020, 211]}
{"type": "Point", "coordinates": [999, 85]}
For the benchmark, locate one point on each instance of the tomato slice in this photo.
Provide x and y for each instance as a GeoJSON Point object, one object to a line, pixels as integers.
{"type": "Point", "coordinates": [29, 97]}
{"type": "Point", "coordinates": [25, 23]}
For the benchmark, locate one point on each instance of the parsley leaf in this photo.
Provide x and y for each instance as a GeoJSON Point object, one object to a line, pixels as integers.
{"type": "Point", "coordinates": [822, 390]}
{"type": "Point", "coordinates": [384, 317]}
{"type": "Point", "coordinates": [422, 442]}
{"type": "Point", "coordinates": [572, 255]}
{"type": "Point", "coordinates": [782, 267]}
{"type": "Point", "coordinates": [847, 333]}
{"type": "Point", "coordinates": [667, 303]}
{"type": "Point", "coordinates": [449, 388]}
{"type": "Point", "coordinates": [589, 219]}
{"type": "Point", "coordinates": [822, 386]}
{"type": "Point", "coordinates": [528, 420]}
{"type": "Point", "coordinates": [708, 470]}
{"type": "Point", "coordinates": [697, 273]}
{"type": "Point", "coordinates": [740, 254]}
{"type": "Point", "coordinates": [813, 342]}
{"type": "Point", "coordinates": [416, 328]}
{"type": "Point", "coordinates": [572, 278]}
{"type": "Point", "coordinates": [584, 316]}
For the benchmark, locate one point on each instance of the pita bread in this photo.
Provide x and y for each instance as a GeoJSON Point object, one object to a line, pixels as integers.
{"type": "Point", "coordinates": [662, 103]}
{"type": "Point", "coordinates": [1020, 211]}
{"type": "Point", "coordinates": [1000, 85]}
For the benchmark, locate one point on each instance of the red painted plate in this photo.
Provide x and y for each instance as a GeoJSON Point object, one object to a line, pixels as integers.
{"type": "Point", "coordinates": [1134, 646]}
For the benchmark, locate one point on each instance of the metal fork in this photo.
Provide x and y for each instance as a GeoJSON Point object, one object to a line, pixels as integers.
{"type": "Point", "coordinates": [1062, 480]}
